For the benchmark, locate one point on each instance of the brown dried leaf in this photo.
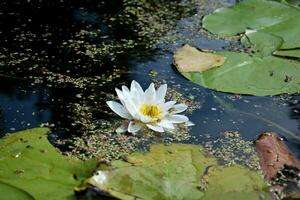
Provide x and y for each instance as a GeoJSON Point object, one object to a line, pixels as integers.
{"type": "Point", "coordinates": [190, 59]}
{"type": "Point", "coordinates": [274, 154]}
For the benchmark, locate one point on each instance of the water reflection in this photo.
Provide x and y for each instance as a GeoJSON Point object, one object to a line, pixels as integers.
{"type": "Point", "coordinates": [77, 52]}
{"type": "Point", "coordinates": [22, 106]}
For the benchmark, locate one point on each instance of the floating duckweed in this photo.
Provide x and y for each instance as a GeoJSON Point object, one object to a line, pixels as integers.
{"type": "Point", "coordinates": [80, 59]}
{"type": "Point", "coordinates": [231, 149]}
{"type": "Point", "coordinates": [98, 137]}
{"type": "Point", "coordinates": [175, 92]}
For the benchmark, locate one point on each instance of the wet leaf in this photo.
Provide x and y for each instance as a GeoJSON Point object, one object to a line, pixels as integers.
{"type": "Point", "coordinates": [292, 53]}
{"type": "Point", "coordinates": [264, 44]}
{"type": "Point", "coordinates": [288, 30]}
{"type": "Point", "coordinates": [190, 59]}
{"type": "Point", "coordinates": [269, 27]}
{"type": "Point", "coordinates": [9, 192]}
{"type": "Point", "coordinates": [235, 183]}
{"type": "Point", "coordinates": [174, 172]}
{"type": "Point", "coordinates": [31, 164]}
{"type": "Point", "coordinates": [279, 19]}
{"type": "Point", "coordinates": [274, 154]}
{"type": "Point", "coordinates": [245, 74]}
{"type": "Point", "coordinates": [279, 165]}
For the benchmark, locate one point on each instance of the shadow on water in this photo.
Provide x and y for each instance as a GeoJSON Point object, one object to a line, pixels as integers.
{"type": "Point", "coordinates": [46, 48]}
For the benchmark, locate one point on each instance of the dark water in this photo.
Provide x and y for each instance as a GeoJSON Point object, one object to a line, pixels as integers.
{"type": "Point", "coordinates": [35, 37]}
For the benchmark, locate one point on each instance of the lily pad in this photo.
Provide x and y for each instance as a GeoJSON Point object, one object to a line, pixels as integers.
{"type": "Point", "coordinates": [248, 14]}
{"type": "Point", "coordinates": [264, 44]}
{"type": "Point", "coordinates": [32, 167]}
{"type": "Point", "coordinates": [245, 74]}
{"type": "Point", "coordinates": [293, 2]}
{"type": "Point", "coordinates": [280, 19]}
{"type": "Point", "coordinates": [288, 30]}
{"type": "Point", "coordinates": [271, 29]}
{"type": "Point", "coordinates": [235, 183]}
{"type": "Point", "coordinates": [292, 53]}
{"type": "Point", "coordinates": [176, 171]}
{"type": "Point", "coordinates": [9, 192]}
{"type": "Point", "coordinates": [189, 59]}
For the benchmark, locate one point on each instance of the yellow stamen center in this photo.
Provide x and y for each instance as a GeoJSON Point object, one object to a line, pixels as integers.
{"type": "Point", "coordinates": [150, 110]}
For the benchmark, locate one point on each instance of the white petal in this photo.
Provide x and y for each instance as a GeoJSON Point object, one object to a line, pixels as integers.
{"type": "Point", "coordinates": [121, 95]}
{"type": "Point", "coordinates": [134, 127]}
{"type": "Point", "coordinates": [177, 118]}
{"type": "Point", "coordinates": [125, 89]}
{"type": "Point", "coordinates": [166, 106]}
{"type": "Point", "coordinates": [136, 86]}
{"type": "Point", "coordinates": [136, 93]}
{"type": "Point", "coordinates": [155, 128]}
{"type": "Point", "coordinates": [161, 93]}
{"type": "Point", "coordinates": [189, 123]}
{"type": "Point", "coordinates": [126, 100]}
{"type": "Point", "coordinates": [150, 94]}
{"type": "Point", "coordinates": [166, 124]}
{"type": "Point", "coordinates": [145, 119]}
{"type": "Point", "coordinates": [178, 108]}
{"type": "Point", "coordinates": [119, 109]}
{"type": "Point", "coordinates": [131, 107]}
{"type": "Point", "coordinates": [122, 128]}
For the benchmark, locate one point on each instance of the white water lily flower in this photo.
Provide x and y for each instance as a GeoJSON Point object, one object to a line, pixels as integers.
{"type": "Point", "coordinates": [147, 108]}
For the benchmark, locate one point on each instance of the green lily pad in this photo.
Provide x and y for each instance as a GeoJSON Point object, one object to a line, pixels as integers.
{"type": "Point", "coordinates": [264, 44]}
{"type": "Point", "coordinates": [32, 167]}
{"type": "Point", "coordinates": [244, 74]}
{"type": "Point", "coordinates": [292, 53]}
{"type": "Point", "coordinates": [176, 171]}
{"type": "Point", "coordinates": [270, 28]}
{"type": "Point", "coordinates": [279, 19]}
{"type": "Point", "coordinates": [261, 13]}
{"type": "Point", "coordinates": [235, 183]}
{"type": "Point", "coordinates": [288, 30]}
{"type": "Point", "coordinates": [9, 192]}
{"type": "Point", "coordinates": [294, 2]}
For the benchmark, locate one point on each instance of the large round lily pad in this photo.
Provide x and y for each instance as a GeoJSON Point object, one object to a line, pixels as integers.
{"type": "Point", "coordinates": [235, 182]}
{"type": "Point", "coordinates": [176, 172]}
{"type": "Point", "coordinates": [33, 169]}
{"type": "Point", "coordinates": [9, 192]}
{"type": "Point", "coordinates": [245, 74]}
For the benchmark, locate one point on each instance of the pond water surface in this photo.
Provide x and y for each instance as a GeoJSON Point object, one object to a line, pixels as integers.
{"type": "Point", "coordinates": [57, 54]}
